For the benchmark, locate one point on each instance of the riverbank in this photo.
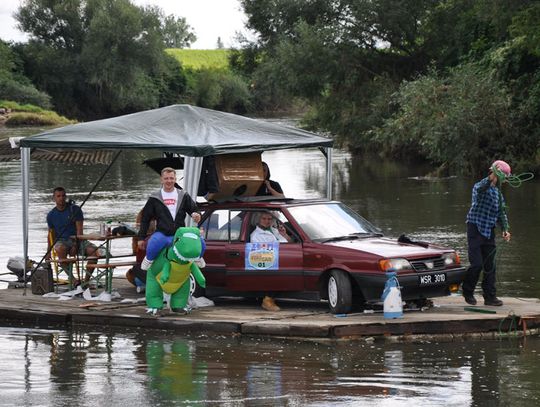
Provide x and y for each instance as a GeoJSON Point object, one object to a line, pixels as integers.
{"type": "Point", "coordinates": [15, 114]}
{"type": "Point", "coordinates": [449, 319]}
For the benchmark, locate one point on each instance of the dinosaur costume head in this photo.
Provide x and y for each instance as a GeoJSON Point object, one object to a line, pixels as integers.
{"type": "Point", "coordinates": [186, 247]}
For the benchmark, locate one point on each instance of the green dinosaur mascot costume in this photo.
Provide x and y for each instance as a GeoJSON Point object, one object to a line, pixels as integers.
{"type": "Point", "coordinates": [171, 269]}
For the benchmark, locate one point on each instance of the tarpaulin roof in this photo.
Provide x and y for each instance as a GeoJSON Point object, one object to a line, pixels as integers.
{"type": "Point", "coordinates": [188, 130]}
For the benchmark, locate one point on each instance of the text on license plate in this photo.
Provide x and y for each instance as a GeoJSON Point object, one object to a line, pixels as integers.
{"type": "Point", "coordinates": [429, 279]}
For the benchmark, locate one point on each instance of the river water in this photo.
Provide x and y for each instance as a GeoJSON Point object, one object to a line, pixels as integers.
{"type": "Point", "coordinates": [103, 367]}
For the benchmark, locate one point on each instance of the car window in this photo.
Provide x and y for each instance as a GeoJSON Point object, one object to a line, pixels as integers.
{"type": "Point", "coordinates": [278, 219]}
{"type": "Point", "coordinates": [326, 221]}
{"type": "Point", "coordinates": [223, 225]}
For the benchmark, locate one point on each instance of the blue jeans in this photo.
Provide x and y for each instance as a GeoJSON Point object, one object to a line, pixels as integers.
{"type": "Point", "coordinates": [158, 241]}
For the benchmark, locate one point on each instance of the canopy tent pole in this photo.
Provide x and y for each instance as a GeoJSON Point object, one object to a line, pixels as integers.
{"type": "Point", "coordinates": [192, 174]}
{"type": "Point", "coordinates": [25, 171]}
{"type": "Point", "coordinates": [328, 172]}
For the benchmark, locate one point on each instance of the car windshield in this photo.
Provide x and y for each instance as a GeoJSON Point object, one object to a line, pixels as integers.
{"type": "Point", "coordinates": [332, 221]}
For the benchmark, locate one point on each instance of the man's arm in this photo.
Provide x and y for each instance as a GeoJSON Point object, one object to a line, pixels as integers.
{"type": "Point", "coordinates": [190, 206]}
{"type": "Point", "coordinates": [79, 227]}
{"type": "Point", "coordinates": [146, 216]}
{"type": "Point", "coordinates": [483, 185]}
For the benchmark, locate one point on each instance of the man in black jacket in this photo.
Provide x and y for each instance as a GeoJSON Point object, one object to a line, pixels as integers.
{"type": "Point", "coordinates": [168, 207]}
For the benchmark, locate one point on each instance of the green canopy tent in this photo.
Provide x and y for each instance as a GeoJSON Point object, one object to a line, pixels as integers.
{"type": "Point", "coordinates": [194, 132]}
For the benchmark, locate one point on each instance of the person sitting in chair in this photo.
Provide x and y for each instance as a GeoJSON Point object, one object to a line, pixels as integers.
{"type": "Point", "coordinates": [265, 233]}
{"type": "Point", "coordinates": [65, 221]}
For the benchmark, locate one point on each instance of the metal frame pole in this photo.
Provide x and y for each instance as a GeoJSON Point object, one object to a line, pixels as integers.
{"type": "Point", "coordinates": [192, 174]}
{"type": "Point", "coordinates": [329, 190]}
{"type": "Point", "coordinates": [25, 171]}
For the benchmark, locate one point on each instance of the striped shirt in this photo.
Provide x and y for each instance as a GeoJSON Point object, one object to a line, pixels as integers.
{"type": "Point", "coordinates": [488, 208]}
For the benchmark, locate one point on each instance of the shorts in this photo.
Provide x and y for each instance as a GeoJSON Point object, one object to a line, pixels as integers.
{"type": "Point", "coordinates": [70, 243]}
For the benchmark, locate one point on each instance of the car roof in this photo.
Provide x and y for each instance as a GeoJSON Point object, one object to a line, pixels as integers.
{"type": "Point", "coordinates": [261, 202]}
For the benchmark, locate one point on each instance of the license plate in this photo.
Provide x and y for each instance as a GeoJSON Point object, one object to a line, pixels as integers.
{"type": "Point", "coordinates": [432, 279]}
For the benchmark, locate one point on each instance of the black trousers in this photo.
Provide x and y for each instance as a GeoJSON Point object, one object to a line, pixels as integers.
{"type": "Point", "coordinates": [481, 256]}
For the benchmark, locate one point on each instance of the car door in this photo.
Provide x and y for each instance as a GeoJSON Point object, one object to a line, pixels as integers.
{"type": "Point", "coordinates": [217, 237]}
{"type": "Point", "coordinates": [245, 273]}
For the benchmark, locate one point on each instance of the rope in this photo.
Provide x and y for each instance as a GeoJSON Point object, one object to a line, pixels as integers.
{"type": "Point", "coordinates": [513, 323]}
{"type": "Point", "coordinates": [515, 181]}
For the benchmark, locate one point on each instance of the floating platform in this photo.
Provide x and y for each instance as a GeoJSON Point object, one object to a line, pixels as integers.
{"type": "Point", "coordinates": [450, 318]}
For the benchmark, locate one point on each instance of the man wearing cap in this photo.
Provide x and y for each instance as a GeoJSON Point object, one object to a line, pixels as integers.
{"type": "Point", "coordinates": [487, 209]}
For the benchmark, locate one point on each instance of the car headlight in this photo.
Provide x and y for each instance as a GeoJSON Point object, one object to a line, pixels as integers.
{"type": "Point", "coordinates": [394, 265]}
{"type": "Point", "coordinates": [451, 259]}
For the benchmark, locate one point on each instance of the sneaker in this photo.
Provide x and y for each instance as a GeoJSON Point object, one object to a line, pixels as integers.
{"type": "Point", "coordinates": [495, 302]}
{"type": "Point", "coordinates": [141, 289]}
{"type": "Point", "coordinates": [469, 299]}
{"type": "Point", "coordinates": [269, 304]}
{"type": "Point", "coordinates": [146, 264]}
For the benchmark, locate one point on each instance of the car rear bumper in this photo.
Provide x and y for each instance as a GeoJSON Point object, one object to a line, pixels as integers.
{"type": "Point", "coordinates": [372, 285]}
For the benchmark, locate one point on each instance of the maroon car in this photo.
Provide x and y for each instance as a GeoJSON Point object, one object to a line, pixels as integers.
{"type": "Point", "coordinates": [334, 254]}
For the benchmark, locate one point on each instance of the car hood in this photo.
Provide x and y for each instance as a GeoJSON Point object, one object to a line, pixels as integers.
{"type": "Point", "coordinates": [385, 247]}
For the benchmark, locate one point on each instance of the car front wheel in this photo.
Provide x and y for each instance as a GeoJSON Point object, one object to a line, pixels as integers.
{"type": "Point", "coordinates": [339, 292]}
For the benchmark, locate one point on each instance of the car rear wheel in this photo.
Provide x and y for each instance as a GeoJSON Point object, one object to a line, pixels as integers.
{"type": "Point", "coordinates": [339, 292]}
{"type": "Point", "coordinates": [195, 289]}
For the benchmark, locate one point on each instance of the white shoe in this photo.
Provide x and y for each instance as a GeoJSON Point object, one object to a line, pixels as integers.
{"type": "Point", "coordinates": [146, 264]}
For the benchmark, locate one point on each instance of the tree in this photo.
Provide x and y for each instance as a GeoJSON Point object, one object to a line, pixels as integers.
{"type": "Point", "coordinates": [96, 58]}
{"type": "Point", "coordinates": [219, 43]}
{"type": "Point", "coordinates": [14, 86]}
{"type": "Point", "coordinates": [177, 33]}
{"type": "Point", "coordinates": [346, 58]}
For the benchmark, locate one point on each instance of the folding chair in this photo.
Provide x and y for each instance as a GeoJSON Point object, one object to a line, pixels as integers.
{"type": "Point", "coordinates": [58, 268]}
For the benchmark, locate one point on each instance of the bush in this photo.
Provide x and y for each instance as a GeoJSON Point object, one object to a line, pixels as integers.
{"type": "Point", "coordinates": [16, 107]}
{"type": "Point", "coordinates": [218, 89]}
{"type": "Point", "coordinates": [12, 90]}
{"type": "Point", "coordinates": [462, 120]}
{"type": "Point", "coordinates": [46, 118]}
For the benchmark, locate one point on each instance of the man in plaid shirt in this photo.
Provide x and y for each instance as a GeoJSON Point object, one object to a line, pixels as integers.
{"type": "Point", "coordinates": [487, 209]}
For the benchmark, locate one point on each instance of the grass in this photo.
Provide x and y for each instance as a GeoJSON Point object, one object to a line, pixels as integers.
{"type": "Point", "coordinates": [201, 58]}
{"type": "Point", "coordinates": [23, 115]}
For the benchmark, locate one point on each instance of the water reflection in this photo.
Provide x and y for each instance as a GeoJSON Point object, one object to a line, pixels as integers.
{"type": "Point", "coordinates": [155, 368]}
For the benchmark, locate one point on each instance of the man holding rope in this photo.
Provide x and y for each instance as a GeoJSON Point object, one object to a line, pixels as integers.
{"type": "Point", "coordinates": [488, 208]}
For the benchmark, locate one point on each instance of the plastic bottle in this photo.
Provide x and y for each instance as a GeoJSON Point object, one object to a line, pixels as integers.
{"type": "Point", "coordinates": [391, 297]}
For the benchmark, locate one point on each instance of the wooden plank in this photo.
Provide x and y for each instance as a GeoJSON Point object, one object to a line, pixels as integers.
{"type": "Point", "coordinates": [93, 266]}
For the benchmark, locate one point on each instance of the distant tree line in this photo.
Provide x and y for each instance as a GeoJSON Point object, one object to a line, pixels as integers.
{"type": "Point", "coordinates": [94, 58]}
{"type": "Point", "coordinates": [455, 82]}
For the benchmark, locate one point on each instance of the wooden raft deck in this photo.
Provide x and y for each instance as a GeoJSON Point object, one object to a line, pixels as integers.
{"type": "Point", "coordinates": [447, 320]}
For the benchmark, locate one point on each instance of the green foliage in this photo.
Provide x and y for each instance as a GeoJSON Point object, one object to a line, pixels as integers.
{"type": "Point", "coordinates": [201, 58]}
{"type": "Point", "coordinates": [177, 32]}
{"type": "Point", "coordinates": [46, 118]}
{"type": "Point", "coordinates": [218, 89]}
{"type": "Point", "coordinates": [462, 120]}
{"type": "Point", "coordinates": [98, 58]}
{"type": "Point", "coordinates": [22, 93]}
{"type": "Point", "coordinates": [31, 115]}
{"type": "Point", "coordinates": [16, 107]}
{"type": "Point", "coordinates": [468, 71]}
{"type": "Point", "coordinates": [15, 86]}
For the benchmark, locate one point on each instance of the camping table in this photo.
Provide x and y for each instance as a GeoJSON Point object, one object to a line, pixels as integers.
{"type": "Point", "coordinates": [108, 267]}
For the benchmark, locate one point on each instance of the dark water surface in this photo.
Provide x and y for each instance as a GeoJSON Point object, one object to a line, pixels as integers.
{"type": "Point", "coordinates": [43, 367]}
{"type": "Point", "coordinates": [88, 368]}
